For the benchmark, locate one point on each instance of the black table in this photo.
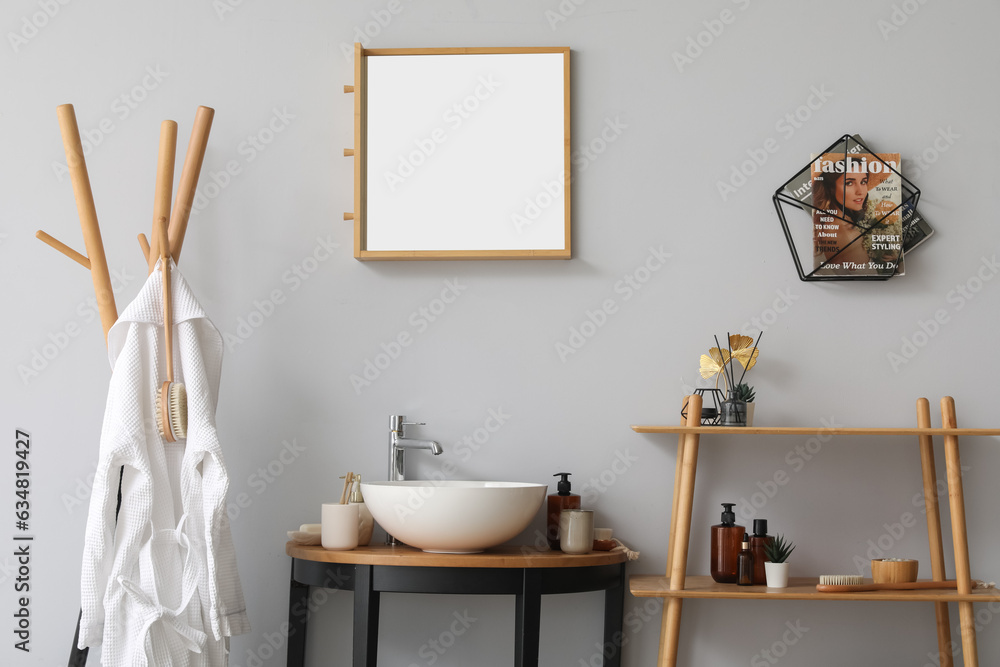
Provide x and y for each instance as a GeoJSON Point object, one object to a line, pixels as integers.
{"type": "Point", "coordinates": [524, 572]}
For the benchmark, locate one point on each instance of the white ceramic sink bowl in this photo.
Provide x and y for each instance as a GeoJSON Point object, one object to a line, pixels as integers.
{"type": "Point", "coordinates": [453, 516]}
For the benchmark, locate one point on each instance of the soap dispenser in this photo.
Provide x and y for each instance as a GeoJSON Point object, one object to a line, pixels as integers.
{"type": "Point", "coordinates": [366, 522]}
{"type": "Point", "coordinates": [727, 538]}
{"type": "Point", "coordinates": [563, 500]}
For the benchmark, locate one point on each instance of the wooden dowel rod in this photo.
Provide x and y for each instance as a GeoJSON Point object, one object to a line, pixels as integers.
{"type": "Point", "coordinates": [164, 188]}
{"type": "Point", "coordinates": [189, 179]}
{"type": "Point", "coordinates": [348, 152]}
{"type": "Point", "coordinates": [144, 245]}
{"type": "Point", "coordinates": [670, 626]}
{"type": "Point", "coordinates": [88, 216]}
{"type": "Point", "coordinates": [63, 248]}
{"type": "Point", "coordinates": [348, 215]}
{"type": "Point", "coordinates": [928, 468]}
{"type": "Point", "coordinates": [959, 534]}
{"type": "Point", "coordinates": [677, 493]}
{"type": "Point", "coordinates": [348, 89]}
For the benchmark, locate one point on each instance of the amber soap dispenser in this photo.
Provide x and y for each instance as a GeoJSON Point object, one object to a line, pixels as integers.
{"type": "Point", "coordinates": [727, 539]}
{"type": "Point", "coordinates": [562, 500]}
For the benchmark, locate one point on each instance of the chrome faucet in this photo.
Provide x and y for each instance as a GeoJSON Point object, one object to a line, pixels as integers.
{"type": "Point", "coordinates": [398, 444]}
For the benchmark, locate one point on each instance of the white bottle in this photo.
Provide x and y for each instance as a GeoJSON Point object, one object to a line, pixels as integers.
{"type": "Point", "coordinates": [367, 521]}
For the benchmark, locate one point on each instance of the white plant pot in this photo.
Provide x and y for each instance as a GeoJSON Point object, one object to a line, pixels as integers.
{"type": "Point", "coordinates": [777, 575]}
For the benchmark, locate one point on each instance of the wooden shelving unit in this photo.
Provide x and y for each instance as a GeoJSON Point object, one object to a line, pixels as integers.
{"type": "Point", "coordinates": [676, 586]}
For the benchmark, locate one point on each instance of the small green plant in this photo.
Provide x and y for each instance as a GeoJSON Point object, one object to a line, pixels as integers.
{"type": "Point", "coordinates": [778, 550]}
{"type": "Point", "coordinates": [744, 392]}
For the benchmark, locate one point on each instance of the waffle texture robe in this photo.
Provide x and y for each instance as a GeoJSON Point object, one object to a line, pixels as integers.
{"type": "Point", "coordinates": [161, 587]}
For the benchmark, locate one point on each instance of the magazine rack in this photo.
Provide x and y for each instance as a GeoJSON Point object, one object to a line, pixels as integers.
{"type": "Point", "coordinates": [796, 193]}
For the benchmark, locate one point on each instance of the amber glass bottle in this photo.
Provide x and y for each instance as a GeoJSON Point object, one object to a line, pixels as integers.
{"type": "Point", "coordinates": [744, 576]}
{"type": "Point", "coordinates": [726, 540]}
{"type": "Point", "coordinates": [557, 502]}
{"type": "Point", "coordinates": [758, 541]}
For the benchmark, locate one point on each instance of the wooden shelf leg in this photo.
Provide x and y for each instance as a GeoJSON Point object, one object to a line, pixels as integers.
{"type": "Point", "coordinates": [960, 538]}
{"type": "Point", "coordinates": [934, 530]}
{"type": "Point", "coordinates": [677, 492]}
{"type": "Point", "coordinates": [681, 529]}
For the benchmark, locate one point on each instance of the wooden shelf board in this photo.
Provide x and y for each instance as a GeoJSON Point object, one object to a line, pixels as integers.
{"type": "Point", "coordinates": [811, 430]}
{"type": "Point", "coordinates": [799, 588]}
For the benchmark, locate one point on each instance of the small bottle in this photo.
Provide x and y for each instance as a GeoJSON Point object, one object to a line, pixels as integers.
{"type": "Point", "coordinates": [745, 564]}
{"type": "Point", "coordinates": [563, 500]}
{"type": "Point", "coordinates": [758, 541]}
{"type": "Point", "coordinates": [726, 537]}
{"type": "Point", "coordinates": [366, 522]}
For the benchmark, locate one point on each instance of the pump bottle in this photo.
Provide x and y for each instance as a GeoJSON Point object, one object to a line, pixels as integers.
{"type": "Point", "coordinates": [557, 502]}
{"type": "Point", "coordinates": [726, 540]}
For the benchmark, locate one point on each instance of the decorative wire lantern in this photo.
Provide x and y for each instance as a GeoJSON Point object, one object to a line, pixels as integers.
{"type": "Point", "coordinates": [710, 414]}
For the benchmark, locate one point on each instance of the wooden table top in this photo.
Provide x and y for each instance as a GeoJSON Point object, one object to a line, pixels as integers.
{"type": "Point", "coordinates": [509, 556]}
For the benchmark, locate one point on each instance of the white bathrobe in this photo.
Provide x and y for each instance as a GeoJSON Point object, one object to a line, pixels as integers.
{"type": "Point", "coordinates": [161, 589]}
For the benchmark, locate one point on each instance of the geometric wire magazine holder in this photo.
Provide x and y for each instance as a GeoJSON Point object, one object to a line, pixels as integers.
{"type": "Point", "coordinates": [795, 199]}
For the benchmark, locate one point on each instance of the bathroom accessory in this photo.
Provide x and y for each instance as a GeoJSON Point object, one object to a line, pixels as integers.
{"type": "Point", "coordinates": [348, 483]}
{"type": "Point", "coordinates": [453, 516]}
{"type": "Point", "coordinates": [726, 539]}
{"type": "Point", "coordinates": [744, 576]}
{"type": "Point", "coordinates": [366, 523]}
{"type": "Point", "coordinates": [602, 539]}
{"type": "Point", "coordinates": [340, 526]}
{"type": "Point", "coordinates": [171, 397]}
{"type": "Point", "coordinates": [894, 570]}
{"type": "Point", "coordinates": [857, 588]}
{"type": "Point", "coordinates": [398, 444]}
{"type": "Point", "coordinates": [557, 502]}
{"type": "Point", "coordinates": [576, 531]}
{"type": "Point", "coordinates": [758, 541]}
{"type": "Point", "coordinates": [308, 534]}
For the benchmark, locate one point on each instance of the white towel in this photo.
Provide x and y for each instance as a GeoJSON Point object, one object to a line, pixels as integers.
{"type": "Point", "coordinates": [162, 587]}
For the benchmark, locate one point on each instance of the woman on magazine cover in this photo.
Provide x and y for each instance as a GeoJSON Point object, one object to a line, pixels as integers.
{"type": "Point", "coordinates": [846, 196]}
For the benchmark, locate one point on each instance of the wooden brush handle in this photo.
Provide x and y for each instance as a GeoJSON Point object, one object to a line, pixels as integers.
{"type": "Point", "coordinates": [168, 335]}
{"type": "Point", "coordinates": [905, 586]}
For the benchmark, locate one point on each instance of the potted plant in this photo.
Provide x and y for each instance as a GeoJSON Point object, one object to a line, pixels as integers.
{"type": "Point", "coordinates": [776, 566]}
{"type": "Point", "coordinates": [719, 363]}
{"type": "Point", "coordinates": [744, 392]}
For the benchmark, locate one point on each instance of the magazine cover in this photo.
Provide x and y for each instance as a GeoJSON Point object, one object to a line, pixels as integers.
{"type": "Point", "coordinates": [916, 229]}
{"type": "Point", "coordinates": [857, 224]}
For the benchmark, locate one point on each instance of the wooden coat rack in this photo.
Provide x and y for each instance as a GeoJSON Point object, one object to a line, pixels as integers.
{"type": "Point", "coordinates": [95, 259]}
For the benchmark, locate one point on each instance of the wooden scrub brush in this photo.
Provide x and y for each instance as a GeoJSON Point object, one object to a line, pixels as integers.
{"type": "Point", "coordinates": [171, 397]}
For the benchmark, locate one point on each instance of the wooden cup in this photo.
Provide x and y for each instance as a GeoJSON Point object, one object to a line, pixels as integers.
{"type": "Point", "coordinates": [894, 572]}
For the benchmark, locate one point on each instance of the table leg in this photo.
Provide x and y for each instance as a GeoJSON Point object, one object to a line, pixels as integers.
{"type": "Point", "coordinates": [527, 619]}
{"type": "Point", "coordinates": [298, 615]}
{"type": "Point", "coordinates": [614, 614]}
{"type": "Point", "coordinates": [960, 538]}
{"type": "Point", "coordinates": [934, 530]}
{"type": "Point", "coordinates": [366, 608]}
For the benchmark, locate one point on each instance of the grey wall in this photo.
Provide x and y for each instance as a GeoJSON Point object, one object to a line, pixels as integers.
{"type": "Point", "coordinates": [825, 354]}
